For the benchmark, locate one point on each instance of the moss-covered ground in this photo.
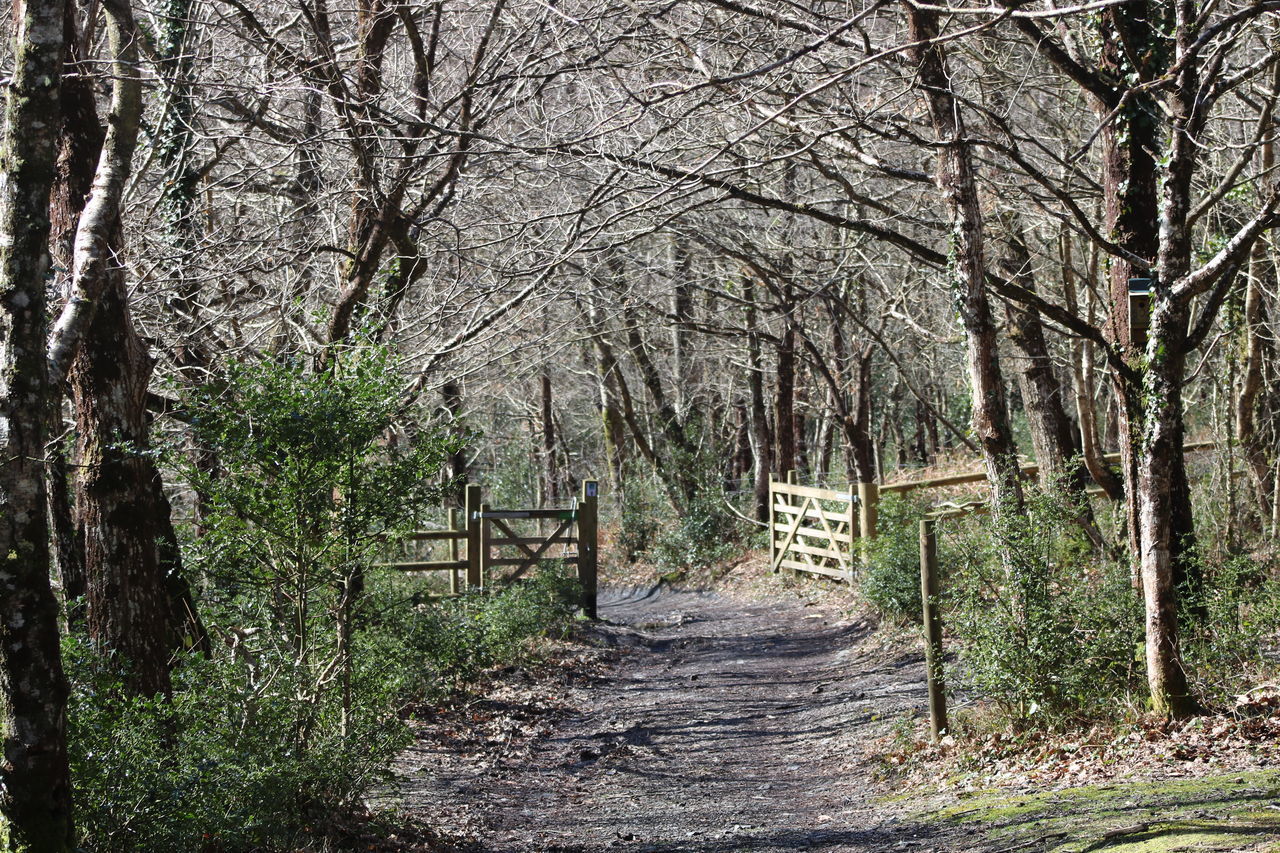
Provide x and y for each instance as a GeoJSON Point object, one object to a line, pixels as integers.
{"type": "Point", "coordinates": [1235, 812]}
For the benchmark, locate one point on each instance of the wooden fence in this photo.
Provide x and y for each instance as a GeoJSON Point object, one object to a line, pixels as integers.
{"type": "Point", "coordinates": [483, 540]}
{"type": "Point", "coordinates": [814, 529]}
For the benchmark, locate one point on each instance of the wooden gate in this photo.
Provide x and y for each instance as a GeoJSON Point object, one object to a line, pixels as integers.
{"type": "Point", "coordinates": [812, 529]}
{"type": "Point", "coordinates": [572, 540]}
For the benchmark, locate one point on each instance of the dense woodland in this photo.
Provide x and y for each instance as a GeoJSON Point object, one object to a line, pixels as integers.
{"type": "Point", "coordinates": [277, 278]}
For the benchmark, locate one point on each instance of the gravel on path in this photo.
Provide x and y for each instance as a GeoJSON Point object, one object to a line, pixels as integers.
{"type": "Point", "coordinates": [724, 725]}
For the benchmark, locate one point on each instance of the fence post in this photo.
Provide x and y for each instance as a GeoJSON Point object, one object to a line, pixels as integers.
{"type": "Point", "coordinates": [475, 571]}
{"type": "Point", "coordinates": [773, 517]}
{"type": "Point", "coordinates": [484, 534]}
{"type": "Point", "coordinates": [932, 628]}
{"type": "Point", "coordinates": [453, 551]}
{"type": "Point", "coordinates": [793, 477]}
{"type": "Point", "coordinates": [868, 512]}
{"type": "Point", "coordinates": [587, 552]}
{"type": "Point", "coordinates": [851, 524]}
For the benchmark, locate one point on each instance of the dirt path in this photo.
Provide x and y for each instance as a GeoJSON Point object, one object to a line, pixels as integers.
{"type": "Point", "coordinates": [724, 726]}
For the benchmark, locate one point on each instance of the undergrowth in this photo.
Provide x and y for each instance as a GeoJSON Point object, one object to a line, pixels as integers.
{"type": "Point", "coordinates": [233, 762]}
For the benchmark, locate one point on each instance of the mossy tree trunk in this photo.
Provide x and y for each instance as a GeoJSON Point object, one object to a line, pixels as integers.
{"type": "Point", "coordinates": [956, 179]}
{"type": "Point", "coordinates": [35, 786]}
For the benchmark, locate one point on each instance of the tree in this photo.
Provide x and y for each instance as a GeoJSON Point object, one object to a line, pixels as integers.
{"type": "Point", "coordinates": [35, 788]}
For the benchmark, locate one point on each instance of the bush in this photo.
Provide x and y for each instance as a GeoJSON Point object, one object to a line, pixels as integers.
{"type": "Point", "coordinates": [891, 581]}
{"type": "Point", "coordinates": [475, 631]}
{"type": "Point", "coordinates": [1231, 646]}
{"type": "Point", "coordinates": [218, 767]}
{"type": "Point", "coordinates": [224, 766]}
{"type": "Point", "coordinates": [1047, 630]}
{"type": "Point", "coordinates": [638, 526]}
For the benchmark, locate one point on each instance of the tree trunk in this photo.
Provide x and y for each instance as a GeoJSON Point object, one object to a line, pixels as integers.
{"type": "Point", "coordinates": [129, 607]}
{"type": "Point", "coordinates": [135, 593]}
{"type": "Point", "coordinates": [1042, 395]}
{"type": "Point", "coordinates": [78, 146]}
{"type": "Point", "coordinates": [612, 419]}
{"type": "Point", "coordinates": [955, 178]}
{"type": "Point", "coordinates": [35, 786]}
{"type": "Point", "coordinates": [1256, 350]}
{"type": "Point", "coordinates": [784, 399]}
{"type": "Point", "coordinates": [853, 404]}
{"type": "Point", "coordinates": [761, 439]}
{"type": "Point", "coordinates": [550, 473]}
{"type": "Point", "coordinates": [1161, 472]}
{"type": "Point", "coordinates": [456, 464]}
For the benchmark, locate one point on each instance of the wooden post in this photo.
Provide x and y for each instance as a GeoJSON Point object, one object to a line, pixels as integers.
{"type": "Point", "coordinates": [868, 512]}
{"type": "Point", "coordinates": [851, 524]}
{"type": "Point", "coordinates": [932, 628]}
{"type": "Point", "coordinates": [773, 518]}
{"type": "Point", "coordinates": [793, 477]}
{"type": "Point", "coordinates": [475, 571]}
{"type": "Point", "coordinates": [587, 553]}
{"type": "Point", "coordinates": [453, 551]}
{"type": "Point", "coordinates": [483, 535]}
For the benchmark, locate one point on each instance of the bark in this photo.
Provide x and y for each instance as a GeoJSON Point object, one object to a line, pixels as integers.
{"type": "Point", "coordinates": [853, 403]}
{"type": "Point", "coordinates": [956, 180]}
{"type": "Point", "coordinates": [1130, 141]}
{"type": "Point", "coordinates": [78, 146]}
{"type": "Point", "coordinates": [1161, 469]}
{"type": "Point", "coordinates": [129, 547]}
{"type": "Point", "coordinates": [456, 464]}
{"type": "Point", "coordinates": [800, 428]}
{"type": "Point", "coordinates": [35, 786]}
{"type": "Point", "coordinates": [612, 420]}
{"type": "Point", "coordinates": [761, 437]}
{"type": "Point", "coordinates": [784, 398]}
{"type": "Point", "coordinates": [825, 440]}
{"type": "Point", "coordinates": [917, 438]}
{"type": "Point", "coordinates": [129, 607]}
{"type": "Point", "coordinates": [1256, 351]}
{"type": "Point", "coordinates": [1042, 393]}
{"type": "Point", "coordinates": [681, 316]}
{"type": "Point", "coordinates": [550, 473]}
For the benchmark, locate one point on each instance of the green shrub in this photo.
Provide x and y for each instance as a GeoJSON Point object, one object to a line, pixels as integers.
{"type": "Point", "coordinates": [1231, 648]}
{"type": "Point", "coordinates": [1047, 631]}
{"type": "Point", "coordinates": [891, 580]}
{"type": "Point", "coordinates": [238, 761]}
{"type": "Point", "coordinates": [218, 767]}
{"type": "Point", "coordinates": [468, 634]}
{"type": "Point", "coordinates": [638, 526]}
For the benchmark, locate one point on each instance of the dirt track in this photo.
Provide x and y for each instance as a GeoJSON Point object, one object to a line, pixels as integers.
{"type": "Point", "coordinates": [723, 726]}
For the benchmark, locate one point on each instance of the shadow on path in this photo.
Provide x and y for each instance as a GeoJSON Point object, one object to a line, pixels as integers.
{"type": "Point", "coordinates": [726, 726]}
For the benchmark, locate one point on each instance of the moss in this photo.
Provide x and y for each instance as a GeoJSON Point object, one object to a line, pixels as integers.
{"type": "Point", "coordinates": [1230, 812]}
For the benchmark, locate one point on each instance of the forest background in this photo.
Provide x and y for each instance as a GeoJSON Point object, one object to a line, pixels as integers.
{"type": "Point", "coordinates": [277, 278]}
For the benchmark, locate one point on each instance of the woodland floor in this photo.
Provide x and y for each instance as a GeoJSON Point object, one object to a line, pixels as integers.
{"type": "Point", "coordinates": [712, 722]}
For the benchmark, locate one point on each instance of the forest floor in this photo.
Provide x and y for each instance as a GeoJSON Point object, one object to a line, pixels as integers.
{"type": "Point", "coordinates": [726, 721]}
